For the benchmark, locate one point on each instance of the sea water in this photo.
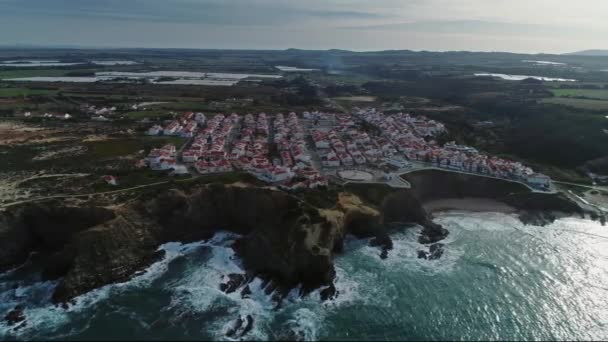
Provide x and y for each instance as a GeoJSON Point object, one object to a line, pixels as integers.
{"type": "Point", "coordinates": [497, 279]}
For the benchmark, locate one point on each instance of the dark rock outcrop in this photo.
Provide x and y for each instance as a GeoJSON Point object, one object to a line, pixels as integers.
{"type": "Point", "coordinates": [534, 207]}
{"type": "Point", "coordinates": [435, 252]}
{"type": "Point", "coordinates": [45, 227]}
{"type": "Point", "coordinates": [15, 316]}
{"type": "Point", "coordinates": [283, 239]}
{"type": "Point", "coordinates": [329, 293]}
{"type": "Point", "coordinates": [241, 327]}
{"type": "Point", "coordinates": [246, 292]}
{"type": "Point", "coordinates": [233, 282]}
{"type": "Point", "coordinates": [404, 207]}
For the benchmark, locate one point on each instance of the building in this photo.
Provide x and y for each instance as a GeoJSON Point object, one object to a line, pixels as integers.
{"type": "Point", "coordinates": [538, 179]}
{"type": "Point", "coordinates": [154, 130]}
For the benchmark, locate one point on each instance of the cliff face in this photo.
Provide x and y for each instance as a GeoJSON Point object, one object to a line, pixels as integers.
{"type": "Point", "coordinates": [43, 227]}
{"type": "Point", "coordinates": [431, 185]}
{"type": "Point", "coordinates": [533, 207]}
{"type": "Point", "coordinates": [283, 239]}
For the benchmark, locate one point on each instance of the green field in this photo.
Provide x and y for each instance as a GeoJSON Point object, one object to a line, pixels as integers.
{"type": "Point", "coordinates": [585, 104]}
{"type": "Point", "coordinates": [356, 98]}
{"type": "Point", "coordinates": [32, 73]}
{"type": "Point", "coordinates": [122, 147]}
{"type": "Point", "coordinates": [596, 94]}
{"type": "Point", "coordinates": [18, 92]}
{"type": "Point", "coordinates": [146, 114]}
{"type": "Point", "coordinates": [194, 106]}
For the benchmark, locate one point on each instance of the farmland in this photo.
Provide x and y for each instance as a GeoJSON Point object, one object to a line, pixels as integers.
{"type": "Point", "coordinates": [596, 94]}
{"type": "Point", "coordinates": [15, 73]}
{"type": "Point", "coordinates": [577, 103]}
{"type": "Point", "coordinates": [122, 147]}
{"type": "Point", "coordinates": [145, 114]}
{"type": "Point", "coordinates": [18, 92]}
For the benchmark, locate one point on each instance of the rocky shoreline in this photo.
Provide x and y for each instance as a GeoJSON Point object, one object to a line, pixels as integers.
{"type": "Point", "coordinates": [537, 208]}
{"type": "Point", "coordinates": [283, 239]}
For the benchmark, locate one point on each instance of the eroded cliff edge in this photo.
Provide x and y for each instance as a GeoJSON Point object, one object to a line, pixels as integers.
{"type": "Point", "coordinates": [289, 240]}
{"type": "Point", "coordinates": [283, 238]}
{"type": "Point", "coordinates": [532, 207]}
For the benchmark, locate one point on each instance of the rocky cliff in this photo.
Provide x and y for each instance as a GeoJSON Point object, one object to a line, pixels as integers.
{"type": "Point", "coordinates": [284, 239]}
{"type": "Point", "coordinates": [534, 207]}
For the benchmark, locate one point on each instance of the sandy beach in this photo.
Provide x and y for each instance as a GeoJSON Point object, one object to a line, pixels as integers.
{"type": "Point", "coordinates": [468, 204]}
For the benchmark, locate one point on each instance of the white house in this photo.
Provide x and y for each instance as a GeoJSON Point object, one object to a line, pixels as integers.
{"type": "Point", "coordinates": [539, 180]}
{"type": "Point", "coordinates": [154, 130]}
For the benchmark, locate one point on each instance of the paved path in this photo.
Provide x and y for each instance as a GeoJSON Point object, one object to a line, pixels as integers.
{"type": "Point", "coordinates": [593, 187]}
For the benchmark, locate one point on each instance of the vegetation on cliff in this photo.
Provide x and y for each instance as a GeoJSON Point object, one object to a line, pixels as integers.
{"type": "Point", "coordinates": [282, 238]}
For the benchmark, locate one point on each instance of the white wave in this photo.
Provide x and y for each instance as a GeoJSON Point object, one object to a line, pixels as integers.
{"type": "Point", "coordinates": [199, 291]}
{"type": "Point", "coordinates": [464, 220]}
{"type": "Point", "coordinates": [306, 323]}
{"type": "Point", "coordinates": [46, 317]}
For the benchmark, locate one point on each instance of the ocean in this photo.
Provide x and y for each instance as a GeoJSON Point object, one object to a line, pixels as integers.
{"type": "Point", "coordinates": [497, 279]}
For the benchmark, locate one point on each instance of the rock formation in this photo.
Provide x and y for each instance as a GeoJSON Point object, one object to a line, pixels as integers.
{"type": "Point", "coordinates": [283, 239]}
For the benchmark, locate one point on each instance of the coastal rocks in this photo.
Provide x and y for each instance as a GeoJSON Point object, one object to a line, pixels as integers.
{"type": "Point", "coordinates": [291, 335]}
{"type": "Point", "coordinates": [435, 252]}
{"type": "Point", "coordinates": [246, 292]}
{"type": "Point", "coordinates": [233, 282]}
{"type": "Point", "coordinates": [537, 208]}
{"type": "Point", "coordinates": [15, 316]}
{"type": "Point", "coordinates": [282, 238]}
{"type": "Point", "coordinates": [536, 218]}
{"type": "Point", "coordinates": [382, 240]}
{"type": "Point", "coordinates": [16, 242]}
{"type": "Point", "coordinates": [432, 233]}
{"type": "Point", "coordinates": [240, 327]}
{"type": "Point", "coordinates": [108, 253]}
{"type": "Point", "coordinates": [44, 227]}
{"type": "Point", "coordinates": [403, 207]}
{"type": "Point", "coordinates": [362, 221]}
{"type": "Point", "coordinates": [329, 293]}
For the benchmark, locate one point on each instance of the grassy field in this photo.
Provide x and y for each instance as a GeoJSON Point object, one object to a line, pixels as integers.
{"type": "Point", "coordinates": [17, 92]}
{"type": "Point", "coordinates": [32, 73]}
{"type": "Point", "coordinates": [352, 79]}
{"type": "Point", "coordinates": [356, 98]}
{"type": "Point", "coordinates": [195, 106]}
{"type": "Point", "coordinates": [597, 94]}
{"type": "Point", "coordinates": [578, 103]}
{"type": "Point", "coordinates": [122, 147]}
{"type": "Point", "coordinates": [146, 114]}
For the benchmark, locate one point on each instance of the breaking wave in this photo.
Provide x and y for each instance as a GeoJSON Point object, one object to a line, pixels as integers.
{"type": "Point", "coordinates": [497, 279]}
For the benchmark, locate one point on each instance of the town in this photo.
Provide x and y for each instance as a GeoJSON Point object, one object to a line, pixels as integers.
{"type": "Point", "coordinates": [307, 151]}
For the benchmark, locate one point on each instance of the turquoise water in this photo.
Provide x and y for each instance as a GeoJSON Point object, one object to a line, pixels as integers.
{"type": "Point", "coordinates": [497, 279]}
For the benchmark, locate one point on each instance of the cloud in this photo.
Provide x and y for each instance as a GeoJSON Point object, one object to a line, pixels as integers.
{"type": "Point", "coordinates": [225, 12]}
{"type": "Point", "coordinates": [480, 27]}
{"type": "Point", "coordinates": [516, 25]}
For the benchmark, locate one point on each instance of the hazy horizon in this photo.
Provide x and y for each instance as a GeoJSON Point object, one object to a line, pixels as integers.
{"type": "Point", "coordinates": [533, 26]}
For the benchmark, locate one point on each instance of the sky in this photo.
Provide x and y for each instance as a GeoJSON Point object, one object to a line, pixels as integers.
{"type": "Point", "coordinates": [531, 26]}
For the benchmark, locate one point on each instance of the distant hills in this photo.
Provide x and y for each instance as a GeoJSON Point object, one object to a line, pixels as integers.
{"type": "Point", "coordinates": [589, 53]}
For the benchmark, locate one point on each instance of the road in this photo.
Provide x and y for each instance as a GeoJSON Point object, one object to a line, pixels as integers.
{"type": "Point", "coordinates": [592, 187]}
